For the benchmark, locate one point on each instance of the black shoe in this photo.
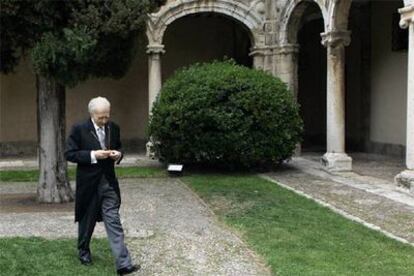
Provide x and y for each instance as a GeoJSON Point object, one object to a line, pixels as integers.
{"type": "Point", "coordinates": [85, 257]}
{"type": "Point", "coordinates": [128, 269]}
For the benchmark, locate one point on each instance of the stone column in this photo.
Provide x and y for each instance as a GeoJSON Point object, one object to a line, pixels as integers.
{"type": "Point", "coordinates": [285, 59]}
{"type": "Point", "coordinates": [406, 178]}
{"type": "Point", "coordinates": [286, 65]}
{"type": "Point", "coordinates": [335, 159]}
{"type": "Point", "coordinates": [258, 55]}
{"type": "Point", "coordinates": [268, 60]}
{"type": "Point", "coordinates": [154, 72]}
{"type": "Point", "coordinates": [154, 52]}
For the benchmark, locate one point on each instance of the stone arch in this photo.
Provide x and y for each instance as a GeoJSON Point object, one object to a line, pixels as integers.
{"type": "Point", "coordinates": [291, 17]}
{"type": "Point", "coordinates": [251, 17]}
{"type": "Point", "coordinates": [339, 15]}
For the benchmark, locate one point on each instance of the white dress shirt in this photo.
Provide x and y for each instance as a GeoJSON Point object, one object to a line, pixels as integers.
{"type": "Point", "coordinates": [93, 157]}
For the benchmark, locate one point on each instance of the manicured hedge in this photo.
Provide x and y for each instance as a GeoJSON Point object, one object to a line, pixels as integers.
{"type": "Point", "coordinates": [225, 115]}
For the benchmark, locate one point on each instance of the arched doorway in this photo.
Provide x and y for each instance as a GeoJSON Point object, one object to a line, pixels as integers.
{"type": "Point", "coordinates": [303, 28]}
{"type": "Point", "coordinates": [376, 66]}
{"type": "Point", "coordinates": [376, 87]}
{"type": "Point", "coordinates": [204, 37]}
{"type": "Point", "coordinates": [312, 79]}
{"type": "Point", "coordinates": [302, 15]}
{"type": "Point", "coordinates": [249, 21]}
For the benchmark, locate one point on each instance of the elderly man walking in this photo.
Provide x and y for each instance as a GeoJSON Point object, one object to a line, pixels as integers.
{"type": "Point", "coordinates": [95, 146]}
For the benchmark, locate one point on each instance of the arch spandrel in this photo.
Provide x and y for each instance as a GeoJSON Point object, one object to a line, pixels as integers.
{"type": "Point", "coordinates": [251, 16]}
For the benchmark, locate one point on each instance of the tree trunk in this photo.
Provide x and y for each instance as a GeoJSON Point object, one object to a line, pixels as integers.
{"type": "Point", "coordinates": [53, 186]}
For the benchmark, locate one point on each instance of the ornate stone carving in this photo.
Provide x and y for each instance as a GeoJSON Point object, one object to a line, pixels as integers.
{"type": "Point", "coordinates": [336, 38]}
{"type": "Point", "coordinates": [155, 49]}
{"type": "Point", "coordinates": [405, 180]}
{"type": "Point", "coordinates": [291, 15]}
{"type": "Point", "coordinates": [336, 162]}
{"type": "Point", "coordinates": [258, 51]}
{"type": "Point", "coordinates": [259, 6]}
{"type": "Point", "coordinates": [407, 16]}
{"type": "Point", "coordinates": [287, 49]}
{"type": "Point", "coordinates": [247, 15]}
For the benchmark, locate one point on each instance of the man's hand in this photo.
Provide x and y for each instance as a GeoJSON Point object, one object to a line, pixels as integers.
{"type": "Point", "coordinates": [102, 154]}
{"type": "Point", "coordinates": [115, 155]}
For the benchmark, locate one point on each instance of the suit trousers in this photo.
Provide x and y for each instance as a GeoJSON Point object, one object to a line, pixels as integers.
{"type": "Point", "coordinates": [108, 202]}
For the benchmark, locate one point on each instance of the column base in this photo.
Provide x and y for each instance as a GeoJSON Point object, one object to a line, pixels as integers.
{"type": "Point", "coordinates": [150, 150]}
{"type": "Point", "coordinates": [298, 150]}
{"type": "Point", "coordinates": [336, 162]}
{"type": "Point", "coordinates": [405, 179]}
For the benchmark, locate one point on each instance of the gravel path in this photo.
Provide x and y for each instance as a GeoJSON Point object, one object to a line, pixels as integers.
{"type": "Point", "coordinates": [169, 229]}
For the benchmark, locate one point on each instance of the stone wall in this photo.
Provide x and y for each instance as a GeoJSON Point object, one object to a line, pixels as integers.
{"type": "Point", "coordinates": [190, 31]}
{"type": "Point", "coordinates": [190, 40]}
{"type": "Point", "coordinates": [388, 78]}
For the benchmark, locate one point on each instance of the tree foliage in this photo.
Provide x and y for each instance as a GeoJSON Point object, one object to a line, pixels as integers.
{"type": "Point", "coordinates": [68, 41]}
{"type": "Point", "coordinates": [72, 40]}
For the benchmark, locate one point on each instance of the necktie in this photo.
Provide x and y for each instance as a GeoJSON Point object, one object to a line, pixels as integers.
{"type": "Point", "coordinates": [101, 136]}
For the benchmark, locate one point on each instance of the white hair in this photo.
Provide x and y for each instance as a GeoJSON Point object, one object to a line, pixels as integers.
{"type": "Point", "coordinates": [98, 102]}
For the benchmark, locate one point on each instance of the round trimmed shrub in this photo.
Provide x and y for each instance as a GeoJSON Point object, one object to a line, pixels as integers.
{"type": "Point", "coordinates": [225, 115]}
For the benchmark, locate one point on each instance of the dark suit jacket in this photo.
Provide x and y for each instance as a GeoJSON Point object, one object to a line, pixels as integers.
{"type": "Point", "coordinates": [81, 141]}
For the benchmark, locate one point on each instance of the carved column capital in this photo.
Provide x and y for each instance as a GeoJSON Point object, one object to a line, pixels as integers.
{"type": "Point", "coordinates": [261, 57]}
{"type": "Point", "coordinates": [259, 51]}
{"type": "Point", "coordinates": [155, 49]}
{"type": "Point", "coordinates": [407, 16]}
{"type": "Point", "coordinates": [336, 38]}
{"type": "Point", "coordinates": [286, 49]}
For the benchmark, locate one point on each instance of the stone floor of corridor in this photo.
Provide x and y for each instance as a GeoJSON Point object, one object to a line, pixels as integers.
{"type": "Point", "coordinates": [368, 194]}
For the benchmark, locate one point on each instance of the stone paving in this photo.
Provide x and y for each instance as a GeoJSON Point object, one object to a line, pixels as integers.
{"type": "Point", "coordinates": [169, 229]}
{"type": "Point", "coordinates": [368, 164]}
{"type": "Point", "coordinates": [376, 201]}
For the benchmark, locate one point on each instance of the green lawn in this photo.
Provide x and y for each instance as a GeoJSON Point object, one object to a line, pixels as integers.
{"type": "Point", "coordinates": [294, 235]}
{"type": "Point", "coordinates": [297, 236]}
{"type": "Point", "coordinates": [122, 172]}
{"type": "Point", "coordinates": [41, 257]}
{"type": "Point", "coordinates": [37, 256]}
